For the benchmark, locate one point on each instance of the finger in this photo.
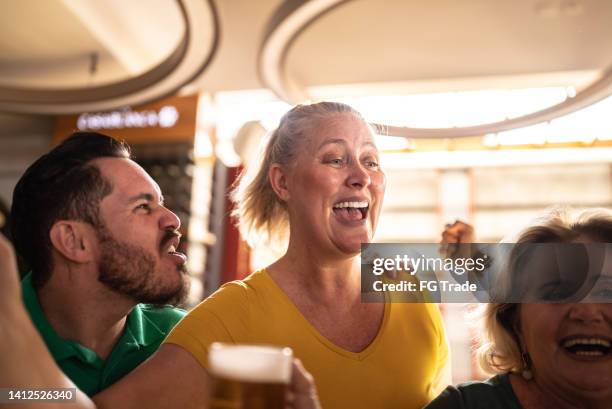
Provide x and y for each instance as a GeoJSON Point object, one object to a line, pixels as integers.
{"type": "Point", "coordinates": [289, 399]}
{"type": "Point", "coordinates": [461, 225]}
{"type": "Point", "coordinates": [463, 231]}
{"type": "Point", "coordinates": [456, 228]}
{"type": "Point", "coordinates": [456, 223]}
{"type": "Point", "coordinates": [449, 237]}
{"type": "Point", "coordinates": [303, 388]}
{"type": "Point", "coordinates": [9, 278]}
{"type": "Point", "coordinates": [7, 255]}
{"type": "Point", "coordinates": [301, 380]}
{"type": "Point", "coordinates": [445, 248]}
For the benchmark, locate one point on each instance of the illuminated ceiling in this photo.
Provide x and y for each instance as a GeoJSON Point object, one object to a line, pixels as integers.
{"type": "Point", "coordinates": [302, 50]}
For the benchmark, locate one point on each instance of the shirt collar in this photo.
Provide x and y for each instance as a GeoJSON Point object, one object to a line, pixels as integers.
{"type": "Point", "coordinates": [141, 328]}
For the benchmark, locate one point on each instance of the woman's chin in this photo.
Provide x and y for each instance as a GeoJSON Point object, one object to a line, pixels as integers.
{"type": "Point", "coordinates": [591, 383]}
{"type": "Point", "coordinates": [351, 247]}
{"type": "Point", "coordinates": [589, 376]}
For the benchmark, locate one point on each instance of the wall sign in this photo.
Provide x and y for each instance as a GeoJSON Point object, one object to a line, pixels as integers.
{"type": "Point", "coordinates": [169, 120]}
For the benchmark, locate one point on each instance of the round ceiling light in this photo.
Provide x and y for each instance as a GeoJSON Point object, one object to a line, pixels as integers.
{"type": "Point", "coordinates": [293, 19]}
{"type": "Point", "coordinates": [192, 54]}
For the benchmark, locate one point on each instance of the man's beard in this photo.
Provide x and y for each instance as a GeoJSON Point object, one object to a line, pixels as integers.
{"type": "Point", "coordinates": [130, 271]}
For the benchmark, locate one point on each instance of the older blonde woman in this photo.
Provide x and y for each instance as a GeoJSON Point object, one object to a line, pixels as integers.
{"type": "Point", "coordinates": [320, 186]}
{"type": "Point", "coordinates": [545, 355]}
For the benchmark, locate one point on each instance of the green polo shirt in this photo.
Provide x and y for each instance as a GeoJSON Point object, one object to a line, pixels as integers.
{"type": "Point", "coordinates": [145, 329]}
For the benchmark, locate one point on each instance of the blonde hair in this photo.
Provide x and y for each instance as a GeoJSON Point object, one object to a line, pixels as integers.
{"type": "Point", "coordinates": [259, 213]}
{"type": "Point", "coordinates": [500, 349]}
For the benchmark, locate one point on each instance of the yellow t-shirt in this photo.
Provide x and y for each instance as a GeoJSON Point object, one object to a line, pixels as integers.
{"type": "Point", "coordinates": [397, 370]}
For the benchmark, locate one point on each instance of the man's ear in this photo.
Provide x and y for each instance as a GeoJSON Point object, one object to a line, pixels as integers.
{"type": "Point", "coordinates": [278, 180]}
{"type": "Point", "coordinates": [71, 239]}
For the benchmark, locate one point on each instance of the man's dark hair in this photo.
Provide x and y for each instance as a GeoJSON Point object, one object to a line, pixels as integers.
{"type": "Point", "coordinates": [61, 185]}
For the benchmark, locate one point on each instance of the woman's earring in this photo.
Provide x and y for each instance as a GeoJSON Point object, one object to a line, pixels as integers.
{"type": "Point", "coordinates": [526, 372]}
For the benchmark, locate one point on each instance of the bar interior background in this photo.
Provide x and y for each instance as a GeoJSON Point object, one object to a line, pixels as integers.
{"type": "Point", "coordinates": [491, 111]}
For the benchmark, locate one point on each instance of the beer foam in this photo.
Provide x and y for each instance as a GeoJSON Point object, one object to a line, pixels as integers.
{"type": "Point", "coordinates": [251, 363]}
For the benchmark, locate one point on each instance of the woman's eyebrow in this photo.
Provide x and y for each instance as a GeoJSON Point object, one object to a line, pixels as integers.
{"type": "Point", "coordinates": [371, 144]}
{"type": "Point", "coordinates": [332, 141]}
{"type": "Point", "coordinates": [343, 142]}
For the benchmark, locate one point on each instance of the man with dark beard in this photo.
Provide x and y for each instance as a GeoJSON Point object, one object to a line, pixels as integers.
{"type": "Point", "coordinates": [92, 226]}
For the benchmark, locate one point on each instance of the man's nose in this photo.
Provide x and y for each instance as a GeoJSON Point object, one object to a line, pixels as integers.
{"type": "Point", "coordinates": [169, 220]}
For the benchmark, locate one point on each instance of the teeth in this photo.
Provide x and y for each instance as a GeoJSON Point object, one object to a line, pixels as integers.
{"type": "Point", "coordinates": [589, 353]}
{"type": "Point", "coordinates": [357, 205]}
{"type": "Point", "coordinates": [171, 249]}
{"type": "Point", "coordinates": [586, 341]}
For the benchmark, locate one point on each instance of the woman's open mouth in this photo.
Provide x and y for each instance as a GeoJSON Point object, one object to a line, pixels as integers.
{"type": "Point", "coordinates": [592, 347]}
{"type": "Point", "coordinates": [351, 211]}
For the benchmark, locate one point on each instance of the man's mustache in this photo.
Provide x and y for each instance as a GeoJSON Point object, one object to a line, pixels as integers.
{"type": "Point", "coordinates": [167, 237]}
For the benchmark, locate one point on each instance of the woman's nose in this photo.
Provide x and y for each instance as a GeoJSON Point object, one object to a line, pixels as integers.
{"type": "Point", "coordinates": [358, 176]}
{"type": "Point", "coordinates": [586, 312]}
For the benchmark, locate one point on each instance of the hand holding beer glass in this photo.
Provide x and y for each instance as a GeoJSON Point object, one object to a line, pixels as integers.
{"type": "Point", "coordinates": [258, 377]}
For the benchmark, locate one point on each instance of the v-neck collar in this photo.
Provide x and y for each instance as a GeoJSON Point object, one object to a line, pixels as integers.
{"type": "Point", "coordinates": [358, 356]}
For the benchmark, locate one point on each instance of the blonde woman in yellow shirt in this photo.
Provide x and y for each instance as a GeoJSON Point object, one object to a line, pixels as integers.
{"type": "Point", "coordinates": [320, 187]}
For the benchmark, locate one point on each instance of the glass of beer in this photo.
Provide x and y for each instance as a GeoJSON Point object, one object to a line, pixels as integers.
{"type": "Point", "coordinates": [249, 376]}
